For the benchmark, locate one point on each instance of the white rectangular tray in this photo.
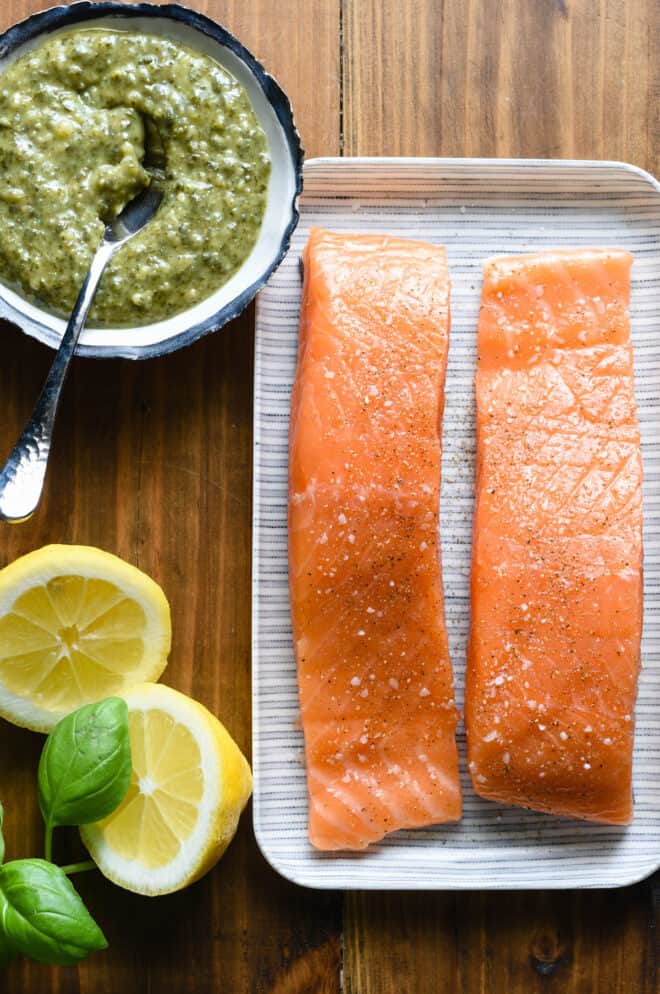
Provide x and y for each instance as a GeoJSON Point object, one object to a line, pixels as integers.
{"type": "Point", "coordinates": [477, 208]}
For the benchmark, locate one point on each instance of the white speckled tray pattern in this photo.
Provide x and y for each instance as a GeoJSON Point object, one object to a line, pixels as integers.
{"type": "Point", "coordinates": [477, 208]}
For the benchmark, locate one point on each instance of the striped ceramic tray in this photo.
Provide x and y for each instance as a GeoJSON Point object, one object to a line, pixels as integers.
{"type": "Point", "coordinates": [476, 208]}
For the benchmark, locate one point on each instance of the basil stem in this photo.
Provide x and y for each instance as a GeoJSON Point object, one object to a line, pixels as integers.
{"type": "Point", "coordinates": [86, 864]}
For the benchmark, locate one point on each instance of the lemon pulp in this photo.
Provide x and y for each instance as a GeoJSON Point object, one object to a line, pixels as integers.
{"type": "Point", "coordinates": [71, 640]}
{"type": "Point", "coordinates": [161, 808]}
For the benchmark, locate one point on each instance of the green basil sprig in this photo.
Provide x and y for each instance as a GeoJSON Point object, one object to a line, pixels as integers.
{"type": "Point", "coordinates": [84, 773]}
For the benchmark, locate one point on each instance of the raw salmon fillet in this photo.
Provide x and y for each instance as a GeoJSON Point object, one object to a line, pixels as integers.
{"type": "Point", "coordinates": [375, 679]}
{"type": "Point", "coordinates": [554, 648]}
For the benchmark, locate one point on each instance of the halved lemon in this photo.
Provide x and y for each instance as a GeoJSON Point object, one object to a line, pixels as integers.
{"type": "Point", "coordinates": [76, 624]}
{"type": "Point", "coordinates": [189, 786]}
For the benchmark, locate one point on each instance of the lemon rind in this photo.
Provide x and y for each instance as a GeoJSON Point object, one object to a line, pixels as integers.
{"type": "Point", "coordinates": [227, 788]}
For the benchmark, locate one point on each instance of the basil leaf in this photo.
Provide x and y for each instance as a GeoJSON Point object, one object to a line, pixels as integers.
{"type": "Point", "coordinates": [2, 838]}
{"type": "Point", "coordinates": [42, 915]}
{"type": "Point", "coordinates": [85, 766]}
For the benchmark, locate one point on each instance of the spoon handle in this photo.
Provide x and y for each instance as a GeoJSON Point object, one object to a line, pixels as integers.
{"type": "Point", "coordinates": [22, 478]}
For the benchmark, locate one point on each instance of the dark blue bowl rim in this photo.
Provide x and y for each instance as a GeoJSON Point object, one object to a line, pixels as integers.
{"type": "Point", "coordinates": [84, 10]}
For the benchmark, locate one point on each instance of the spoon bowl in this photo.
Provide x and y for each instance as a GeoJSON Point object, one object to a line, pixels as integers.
{"type": "Point", "coordinates": [135, 215]}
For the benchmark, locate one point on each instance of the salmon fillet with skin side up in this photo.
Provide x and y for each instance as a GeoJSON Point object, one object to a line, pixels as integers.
{"type": "Point", "coordinates": [554, 648]}
{"type": "Point", "coordinates": [375, 680]}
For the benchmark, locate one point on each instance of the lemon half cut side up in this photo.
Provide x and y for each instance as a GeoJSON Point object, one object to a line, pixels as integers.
{"type": "Point", "coordinates": [76, 624]}
{"type": "Point", "coordinates": [189, 785]}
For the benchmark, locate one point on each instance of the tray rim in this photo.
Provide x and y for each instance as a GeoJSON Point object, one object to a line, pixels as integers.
{"type": "Point", "coordinates": [487, 162]}
{"type": "Point", "coordinates": [307, 878]}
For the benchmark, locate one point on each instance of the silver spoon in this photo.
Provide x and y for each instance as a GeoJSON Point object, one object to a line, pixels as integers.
{"type": "Point", "coordinates": [22, 479]}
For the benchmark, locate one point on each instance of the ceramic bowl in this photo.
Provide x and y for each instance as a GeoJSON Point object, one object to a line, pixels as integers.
{"type": "Point", "coordinates": [273, 110]}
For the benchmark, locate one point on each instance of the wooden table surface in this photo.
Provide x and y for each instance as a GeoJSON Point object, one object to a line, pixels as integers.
{"type": "Point", "coordinates": [153, 461]}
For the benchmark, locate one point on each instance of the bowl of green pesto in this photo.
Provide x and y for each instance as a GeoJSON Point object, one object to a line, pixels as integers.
{"type": "Point", "coordinates": [85, 91]}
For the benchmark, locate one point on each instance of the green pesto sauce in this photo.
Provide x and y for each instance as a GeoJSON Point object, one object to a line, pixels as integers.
{"type": "Point", "coordinates": [72, 134]}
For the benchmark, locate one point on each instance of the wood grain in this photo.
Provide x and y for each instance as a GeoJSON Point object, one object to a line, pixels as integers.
{"type": "Point", "coordinates": [568, 942]}
{"type": "Point", "coordinates": [566, 78]}
{"type": "Point", "coordinates": [152, 461]}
